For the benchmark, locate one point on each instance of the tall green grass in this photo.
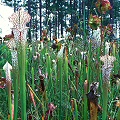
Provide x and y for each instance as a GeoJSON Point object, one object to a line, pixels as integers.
{"type": "Point", "coordinates": [62, 84]}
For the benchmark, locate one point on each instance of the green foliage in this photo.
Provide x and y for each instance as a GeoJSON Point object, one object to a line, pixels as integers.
{"type": "Point", "coordinates": [60, 80]}
{"type": "Point", "coordinates": [5, 55]}
{"type": "Point", "coordinates": [60, 83]}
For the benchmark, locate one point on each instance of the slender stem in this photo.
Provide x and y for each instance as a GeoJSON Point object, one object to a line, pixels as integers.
{"type": "Point", "coordinates": [49, 67]}
{"type": "Point", "coordinates": [102, 36]}
{"type": "Point", "coordinates": [66, 70]}
{"type": "Point", "coordinates": [15, 84]}
{"type": "Point", "coordinates": [60, 83]}
{"type": "Point", "coordinates": [89, 64]}
{"type": "Point", "coordinates": [105, 100]}
{"type": "Point", "coordinates": [114, 54]}
{"type": "Point", "coordinates": [118, 114]}
{"type": "Point", "coordinates": [34, 94]}
{"type": "Point", "coordinates": [84, 23]}
{"type": "Point", "coordinates": [21, 65]}
{"type": "Point", "coordinates": [82, 79]}
{"type": "Point", "coordinates": [85, 102]}
{"type": "Point", "coordinates": [49, 71]}
{"type": "Point", "coordinates": [85, 108]}
{"type": "Point", "coordinates": [32, 72]}
{"type": "Point", "coordinates": [76, 110]}
{"type": "Point", "coordinates": [9, 99]}
{"type": "Point", "coordinates": [66, 81]}
{"type": "Point", "coordinates": [100, 72]}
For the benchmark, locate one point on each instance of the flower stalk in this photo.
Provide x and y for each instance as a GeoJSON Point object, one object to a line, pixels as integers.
{"type": "Point", "coordinates": [9, 99]}
{"type": "Point", "coordinates": [60, 61]}
{"type": "Point", "coordinates": [106, 71]}
{"type": "Point", "coordinates": [22, 65]}
{"type": "Point", "coordinates": [85, 100]}
{"type": "Point", "coordinates": [66, 80]}
{"type": "Point", "coordinates": [19, 20]}
{"type": "Point", "coordinates": [32, 72]}
{"type": "Point", "coordinates": [12, 46]}
{"type": "Point", "coordinates": [105, 100]}
{"type": "Point", "coordinates": [118, 114]}
{"type": "Point", "coordinates": [15, 84]}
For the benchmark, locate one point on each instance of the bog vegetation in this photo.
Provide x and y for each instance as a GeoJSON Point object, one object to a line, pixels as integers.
{"type": "Point", "coordinates": [75, 77]}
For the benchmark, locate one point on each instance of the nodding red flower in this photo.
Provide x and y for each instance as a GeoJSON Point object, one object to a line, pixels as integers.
{"type": "Point", "coordinates": [108, 29]}
{"type": "Point", "coordinates": [51, 108]}
{"type": "Point", "coordinates": [103, 6]}
{"type": "Point", "coordinates": [94, 21]}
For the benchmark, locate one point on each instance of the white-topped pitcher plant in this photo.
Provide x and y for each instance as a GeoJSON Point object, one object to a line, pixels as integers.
{"type": "Point", "coordinates": [19, 19]}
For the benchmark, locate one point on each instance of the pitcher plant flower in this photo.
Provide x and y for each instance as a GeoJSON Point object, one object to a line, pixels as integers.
{"type": "Point", "coordinates": [108, 29]}
{"type": "Point", "coordinates": [103, 6]}
{"type": "Point", "coordinates": [108, 60]}
{"type": "Point", "coordinates": [107, 67]}
{"type": "Point", "coordinates": [19, 19]}
{"type": "Point", "coordinates": [13, 48]}
{"type": "Point", "coordinates": [106, 72]}
{"type": "Point", "coordinates": [94, 22]}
